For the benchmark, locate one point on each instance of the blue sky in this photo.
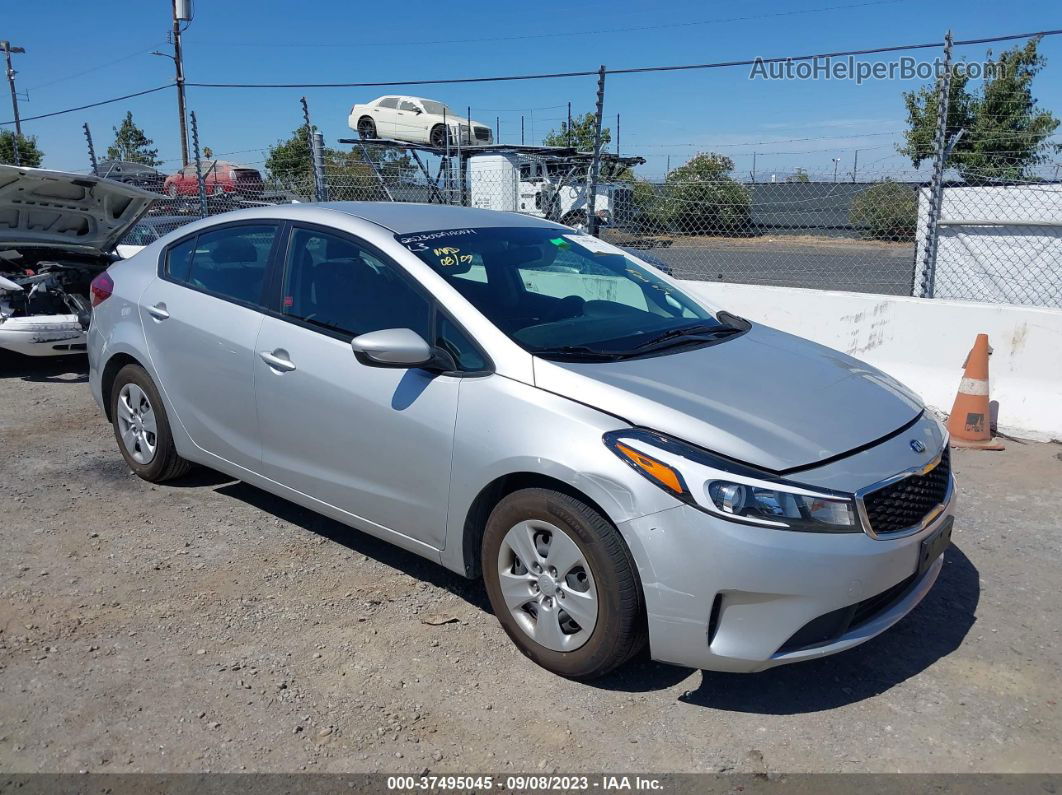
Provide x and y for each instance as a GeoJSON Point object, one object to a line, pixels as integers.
{"type": "Point", "coordinates": [83, 52]}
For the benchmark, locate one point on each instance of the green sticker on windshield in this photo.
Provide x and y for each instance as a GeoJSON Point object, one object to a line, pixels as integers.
{"type": "Point", "coordinates": [560, 242]}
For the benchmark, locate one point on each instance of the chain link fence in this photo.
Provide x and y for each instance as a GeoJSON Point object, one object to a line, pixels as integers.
{"type": "Point", "coordinates": [970, 222]}
{"type": "Point", "coordinates": [999, 243]}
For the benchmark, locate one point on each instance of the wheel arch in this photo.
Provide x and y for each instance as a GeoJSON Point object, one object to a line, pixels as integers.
{"type": "Point", "coordinates": [490, 495]}
{"type": "Point", "coordinates": [110, 373]}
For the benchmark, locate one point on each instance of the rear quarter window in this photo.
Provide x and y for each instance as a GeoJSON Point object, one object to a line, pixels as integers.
{"type": "Point", "coordinates": [179, 260]}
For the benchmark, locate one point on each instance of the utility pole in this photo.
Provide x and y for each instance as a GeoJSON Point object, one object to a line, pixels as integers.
{"type": "Point", "coordinates": [595, 164]}
{"type": "Point", "coordinates": [182, 12]}
{"type": "Point", "coordinates": [855, 165]}
{"type": "Point", "coordinates": [8, 52]}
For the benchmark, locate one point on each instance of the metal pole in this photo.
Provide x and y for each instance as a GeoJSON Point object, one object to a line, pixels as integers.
{"type": "Point", "coordinates": [617, 133]}
{"type": "Point", "coordinates": [460, 183]}
{"type": "Point", "coordinates": [855, 165]}
{"type": "Point", "coordinates": [91, 150]}
{"type": "Point", "coordinates": [753, 168]}
{"type": "Point", "coordinates": [178, 60]}
{"type": "Point", "coordinates": [200, 181]}
{"type": "Point", "coordinates": [497, 129]}
{"type": "Point", "coordinates": [318, 167]}
{"type": "Point", "coordinates": [521, 129]}
{"type": "Point", "coordinates": [936, 189]}
{"type": "Point", "coordinates": [595, 165]}
{"type": "Point", "coordinates": [569, 124]}
{"type": "Point", "coordinates": [8, 50]}
{"type": "Point", "coordinates": [448, 180]}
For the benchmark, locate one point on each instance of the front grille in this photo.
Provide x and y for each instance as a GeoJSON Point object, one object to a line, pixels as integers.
{"type": "Point", "coordinates": [905, 503]}
{"type": "Point", "coordinates": [482, 134]}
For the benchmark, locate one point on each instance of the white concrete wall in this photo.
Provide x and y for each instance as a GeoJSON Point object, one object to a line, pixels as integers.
{"type": "Point", "coordinates": [923, 343]}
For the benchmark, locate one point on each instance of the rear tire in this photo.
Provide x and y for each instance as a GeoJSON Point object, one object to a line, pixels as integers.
{"type": "Point", "coordinates": [588, 562]}
{"type": "Point", "coordinates": [366, 128]}
{"type": "Point", "coordinates": [141, 427]}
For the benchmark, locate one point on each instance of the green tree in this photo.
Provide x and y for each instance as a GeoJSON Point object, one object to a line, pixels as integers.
{"type": "Point", "coordinates": [131, 145]}
{"type": "Point", "coordinates": [1005, 133]}
{"type": "Point", "coordinates": [28, 153]}
{"type": "Point", "coordinates": [699, 198]}
{"type": "Point", "coordinates": [582, 134]}
{"type": "Point", "coordinates": [290, 165]}
{"type": "Point", "coordinates": [886, 211]}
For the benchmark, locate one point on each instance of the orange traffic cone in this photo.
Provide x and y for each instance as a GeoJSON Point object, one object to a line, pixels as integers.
{"type": "Point", "coordinates": [970, 422]}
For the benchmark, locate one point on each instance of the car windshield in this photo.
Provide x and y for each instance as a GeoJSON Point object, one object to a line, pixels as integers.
{"type": "Point", "coordinates": [436, 108]}
{"type": "Point", "coordinates": [564, 295]}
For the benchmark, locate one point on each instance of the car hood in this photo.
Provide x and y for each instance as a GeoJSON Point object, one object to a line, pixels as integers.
{"type": "Point", "coordinates": [39, 207]}
{"type": "Point", "coordinates": [765, 398]}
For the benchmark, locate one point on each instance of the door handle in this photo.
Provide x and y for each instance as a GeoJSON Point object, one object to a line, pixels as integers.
{"type": "Point", "coordinates": [158, 311]}
{"type": "Point", "coordinates": [278, 360]}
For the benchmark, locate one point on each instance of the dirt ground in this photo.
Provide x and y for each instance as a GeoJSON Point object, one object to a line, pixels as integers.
{"type": "Point", "coordinates": [207, 626]}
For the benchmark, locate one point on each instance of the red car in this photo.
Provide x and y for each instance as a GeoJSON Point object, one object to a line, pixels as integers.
{"type": "Point", "coordinates": [220, 176]}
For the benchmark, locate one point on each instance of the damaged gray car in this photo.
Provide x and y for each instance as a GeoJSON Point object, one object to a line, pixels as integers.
{"type": "Point", "coordinates": [58, 231]}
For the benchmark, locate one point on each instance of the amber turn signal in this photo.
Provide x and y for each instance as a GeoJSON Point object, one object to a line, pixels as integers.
{"type": "Point", "coordinates": [656, 470]}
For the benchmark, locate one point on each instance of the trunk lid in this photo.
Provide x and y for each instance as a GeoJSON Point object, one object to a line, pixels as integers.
{"type": "Point", "coordinates": [39, 207]}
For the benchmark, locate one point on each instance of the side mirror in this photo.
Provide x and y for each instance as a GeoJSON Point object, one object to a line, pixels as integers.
{"type": "Point", "coordinates": [392, 347]}
{"type": "Point", "coordinates": [418, 111]}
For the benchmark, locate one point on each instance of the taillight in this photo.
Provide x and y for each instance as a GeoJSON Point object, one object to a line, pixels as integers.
{"type": "Point", "coordinates": [100, 288]}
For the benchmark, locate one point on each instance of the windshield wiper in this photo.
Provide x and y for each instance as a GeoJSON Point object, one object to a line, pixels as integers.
{"type": "Point", "coordinates": [577, 352]}
{"type": "Point", "coordinates": [700, 333]}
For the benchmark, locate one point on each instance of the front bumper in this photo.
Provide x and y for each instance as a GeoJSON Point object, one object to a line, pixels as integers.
{"type": "Point", "coordinates": [728, 597]}
{"type": "Point", "coordinates": [42, 335]}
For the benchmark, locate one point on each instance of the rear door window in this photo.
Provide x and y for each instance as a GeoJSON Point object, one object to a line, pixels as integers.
{"type": "Point", "coordinates": [230, 262]}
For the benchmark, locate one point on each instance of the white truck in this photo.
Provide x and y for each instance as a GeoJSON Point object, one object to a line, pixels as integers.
{"type": "Point", "coordinates": [551, 182]}
{"type": "Point", "coordinates": [548, 186]}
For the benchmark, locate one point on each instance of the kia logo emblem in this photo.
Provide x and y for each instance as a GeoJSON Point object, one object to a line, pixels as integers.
{"type": "Point", "coordinates": [918, 446]}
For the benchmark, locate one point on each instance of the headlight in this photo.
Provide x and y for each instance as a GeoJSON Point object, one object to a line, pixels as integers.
{"type": "Point", "coordinates": [731, 490]}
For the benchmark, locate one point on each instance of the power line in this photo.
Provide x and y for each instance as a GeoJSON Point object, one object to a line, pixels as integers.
{"type": "Point", "coordinates": [144, 51]}
{"type": "Point", "coordinates": [605, 31]}
{"type": "Point", "coordinates": [94, 104]}
{"type": "Point", "coordinates": [633, 70]}
{"type": "Point", "coordinates": [555, 75]}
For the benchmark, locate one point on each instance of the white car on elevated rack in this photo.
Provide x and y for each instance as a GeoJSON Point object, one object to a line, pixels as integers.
{"type": "Point", "coordinates": [417, 120]}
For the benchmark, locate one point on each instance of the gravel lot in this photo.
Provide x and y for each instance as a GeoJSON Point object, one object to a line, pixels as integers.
{"type": "Point", "coordinates": [209, 626]}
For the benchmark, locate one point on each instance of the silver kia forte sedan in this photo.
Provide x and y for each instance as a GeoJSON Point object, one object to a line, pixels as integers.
{"type": "Point", "coordinates": [620, 461]}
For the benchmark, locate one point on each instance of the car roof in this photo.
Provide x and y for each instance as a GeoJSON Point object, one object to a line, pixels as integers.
{"type": "Point", "coordinates": [405, 217]}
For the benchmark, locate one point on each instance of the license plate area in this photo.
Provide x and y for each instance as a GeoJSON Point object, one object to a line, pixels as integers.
{"type": "Point", "coordinates": [933, 546]}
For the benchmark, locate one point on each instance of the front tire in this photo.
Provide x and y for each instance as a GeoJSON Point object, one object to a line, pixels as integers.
{"type": "Point", "coordinates": [562, 583]}
{"type": "Point", "coordinates": [141, 427]}
{"type": "Point", "coordinates": [437, 136]}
